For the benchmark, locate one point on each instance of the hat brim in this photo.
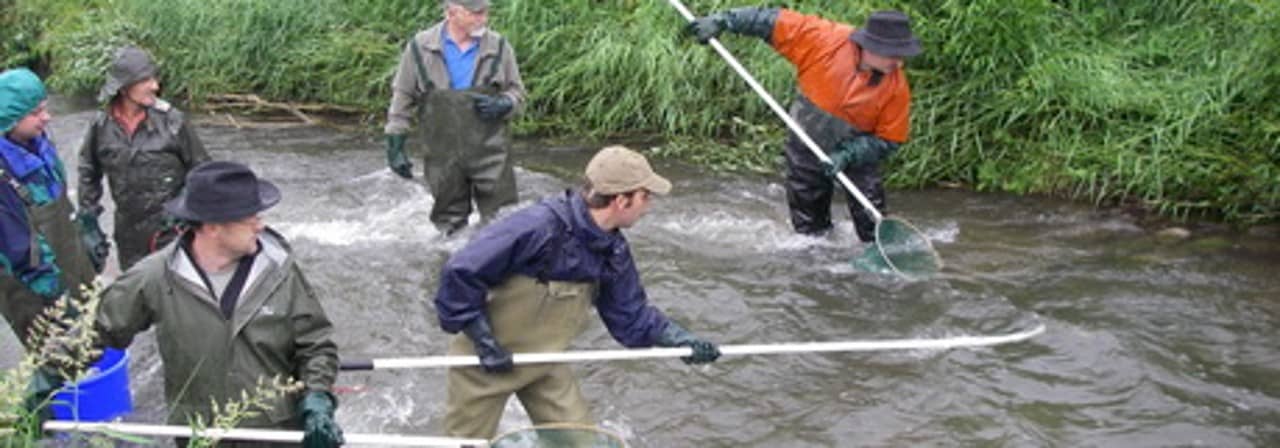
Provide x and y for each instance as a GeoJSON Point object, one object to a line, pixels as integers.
{"type": "Point", "coordinates": [658, 185]}
{"type": "Point", "coordinates": [897, 49]}
{"type": "Point", "coordinates": [179, 207]}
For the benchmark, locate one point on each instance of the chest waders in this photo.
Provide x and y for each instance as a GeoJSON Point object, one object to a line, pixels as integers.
{"type": "Point", "coordinates": [145, 171]}
{"type": "Point", "coordinates": [809, 190]}
{"type": "Point", "coordinates": [53, 221]}
{"type": "Point", "coordinates": [465, 158]}
{"type": "Point", "coordinates": [527, 316]}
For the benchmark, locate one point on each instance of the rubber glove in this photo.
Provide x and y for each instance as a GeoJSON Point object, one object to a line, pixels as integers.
{"type": "Point", "coordinates": [861, 150]}
{"type": "Point", "coordinates": [676, 336]}
{"type": "Point", "coordinates": [43, 384]}
{"type": "Point", "coordinates": [493, 358]}
{"type": "Point", "coordinates": [396, 159]}
{"type": "Point", "coordinates": [492, 107]}
{"type": "Point", "coordinates": [756, 22]}
{"type": "Point", "coordinates": [95, 241]}
{"type": "Point", "coordinates": [321, 431]}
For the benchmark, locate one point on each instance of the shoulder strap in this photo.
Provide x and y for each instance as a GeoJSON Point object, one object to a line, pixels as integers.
{"type": "Point", "coordinates": [497, 62]}
{"type": "Point", "coordinates": [417, 61]}
{"type": "Point", "coordinates": [18, 187]}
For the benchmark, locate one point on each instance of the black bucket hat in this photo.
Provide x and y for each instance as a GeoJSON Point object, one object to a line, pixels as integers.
{"type": "Point", "coordinates": [888, 33]}
{"type": "Point", "coordinates": [221, 191]}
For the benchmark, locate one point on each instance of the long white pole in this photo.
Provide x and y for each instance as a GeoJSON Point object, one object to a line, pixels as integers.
{"type": "Point", "coordinates": [782, 113]}
{"type": "Point", "coordinates": [260, 435]}
{"type": "Point", "coordinates": [676, 352]}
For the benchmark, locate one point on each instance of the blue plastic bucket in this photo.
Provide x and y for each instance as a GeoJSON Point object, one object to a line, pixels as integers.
{"type": "Point", "coordinates": [102, 396]}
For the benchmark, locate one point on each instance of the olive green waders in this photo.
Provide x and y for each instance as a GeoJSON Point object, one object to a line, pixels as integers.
{"type": "Point", "coordinates": [465, 158]}
{"type": "Point", "coordinates": [527, 316]}
{"type": "Point", "coordinates": [19, 304]}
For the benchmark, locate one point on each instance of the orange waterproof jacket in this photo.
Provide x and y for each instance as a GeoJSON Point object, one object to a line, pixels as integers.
{"type": "Point", "coordinates": [827, 73]}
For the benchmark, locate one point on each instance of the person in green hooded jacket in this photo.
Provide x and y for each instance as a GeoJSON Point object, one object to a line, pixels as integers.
{"type": "Point", "coordinates": [460, 80]}
{"type": "Point", "coordinates": [41, 257]}
{"type": "Point", "coordinates": [144, 147]}
{"type": "Point", "coordinates": [231, 307]}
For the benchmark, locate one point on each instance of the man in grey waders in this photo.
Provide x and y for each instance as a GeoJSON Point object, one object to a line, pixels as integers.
{"type": "Point", "coordinates": [527, 282]}
{"type": "Point", "coordinates": [231, 307]}
{"type": "Point", "coordinates": [462, 82]}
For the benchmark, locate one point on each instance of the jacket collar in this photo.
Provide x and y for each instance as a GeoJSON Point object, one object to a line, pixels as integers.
{"type": "Point", "coordinates": [585, 228]}
{"type": "Point", "coordinates": [273, 257]}
{"type": "Point", "coordinates": [22, 161]}
{"type": "Point", "coordinates": [433, 40]}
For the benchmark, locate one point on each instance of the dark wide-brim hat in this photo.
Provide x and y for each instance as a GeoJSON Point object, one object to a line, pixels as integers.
{"type": "Point", "coordinates": [888, 33]}
{"type": "Point", "coordinates": [221, 191]}
{"type": "Point", "coordinates": [130, 65]}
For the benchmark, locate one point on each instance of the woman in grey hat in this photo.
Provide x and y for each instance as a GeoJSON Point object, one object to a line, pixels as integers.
{"type": "Point", "coordinates": [144, 147]}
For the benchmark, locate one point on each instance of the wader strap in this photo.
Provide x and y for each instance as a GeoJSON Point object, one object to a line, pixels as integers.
{"type": "Point", "coordinates": [18, 187]}
{"type": "Point", "coordinates": [493, 68]}
{"type": "Point", "coordinates": [417, 61]}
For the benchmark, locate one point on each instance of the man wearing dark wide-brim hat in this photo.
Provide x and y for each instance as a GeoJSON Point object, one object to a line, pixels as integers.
{"type": "Point", "coordinates": [853, 101]}
{"type": "Point", "coordinates": [232, 308]}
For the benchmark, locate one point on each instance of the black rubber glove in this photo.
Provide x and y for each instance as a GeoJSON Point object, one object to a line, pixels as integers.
{"type": "Point", "coordinates": [95, 241]}
{"type": "Point", "coordinates": [492, 107]}
{"type": "Point", "coordinates": [493, 358]}
{"type": "Point", "coordinates": [756, 22]}
{"type": "Point", "coordinates": [676, 336]}
{"type": "Point", "coordinates": [320, 430]}
{"type": "Point", "coordinates": [396, 159]}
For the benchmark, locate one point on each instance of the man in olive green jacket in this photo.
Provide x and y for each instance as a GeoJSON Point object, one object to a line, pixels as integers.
{"type": "Point", "coordinates": [144, 147]}
{"type": "Point", "coordinates": [231, 307]}
{"type": "Point", "coordinates": [461, 82]}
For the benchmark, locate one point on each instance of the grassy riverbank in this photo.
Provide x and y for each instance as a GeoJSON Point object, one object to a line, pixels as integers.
{"type": "Point", "coordinates": [1171, 105]}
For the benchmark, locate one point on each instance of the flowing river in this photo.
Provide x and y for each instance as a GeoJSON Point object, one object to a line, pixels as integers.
{"type": "Point", "coordinates": [1150, 341]}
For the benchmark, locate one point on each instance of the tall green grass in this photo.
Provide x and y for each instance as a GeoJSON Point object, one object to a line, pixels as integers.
{"type": "Point", "coordinates": [1171, 105]}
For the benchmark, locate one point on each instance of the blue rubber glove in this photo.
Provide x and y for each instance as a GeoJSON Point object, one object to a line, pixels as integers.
{"type": "Point", "coordinates": [319, 428]}
{"type": "Point", "coordinates": [676, 336]}
{"type": "Point", "coordinates": [493, 358]}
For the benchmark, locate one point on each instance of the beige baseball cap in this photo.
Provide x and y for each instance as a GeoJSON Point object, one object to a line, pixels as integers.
{"type": "Point", "coordinates": [616, 169]}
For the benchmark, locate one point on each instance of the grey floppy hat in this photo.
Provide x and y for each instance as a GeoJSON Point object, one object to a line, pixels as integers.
{"type": "Point", "coordinates": [131, 64]}
{"type": "Point", "coordinates": [888, 33]}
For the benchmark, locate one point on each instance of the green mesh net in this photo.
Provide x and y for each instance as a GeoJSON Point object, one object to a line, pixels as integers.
{"type": "Point", "coordinates": [563, 435]}
{"type": "Point", "coordinates": [899, 249]}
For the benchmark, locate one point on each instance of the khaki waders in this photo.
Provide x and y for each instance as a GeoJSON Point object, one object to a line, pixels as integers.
{"type": "Point", "coordinates": [527, 316]}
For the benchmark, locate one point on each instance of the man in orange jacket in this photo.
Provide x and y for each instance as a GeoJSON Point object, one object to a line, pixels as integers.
{"type": "Point", "coordinates": [853, 101]}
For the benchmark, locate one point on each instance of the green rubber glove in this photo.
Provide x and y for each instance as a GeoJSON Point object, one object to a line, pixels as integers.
{"type": "Point", "coordinates": [94, 239]}
{"type": "Point", "coordinates": [756, 22]}
{"type": "Point", "coordinates": [321, 431]}
{"type": "Point", "coordinates": [43, 384]}
{"type": "Point", "coordinates": [676, 336]}
{"type": "Point", "coordinates": [396, 160]}
{"type": "Point", "coordinates": [861, 150]}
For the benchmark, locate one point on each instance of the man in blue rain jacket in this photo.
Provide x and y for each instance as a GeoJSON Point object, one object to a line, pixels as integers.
{"type": "Point", "coordinates": [526, 283]}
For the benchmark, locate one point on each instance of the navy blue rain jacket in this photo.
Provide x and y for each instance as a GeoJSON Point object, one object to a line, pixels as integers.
{"type": "Point", "coordinates": [38, 173]}
{"type": "Point", "coordinates": [554, 240]}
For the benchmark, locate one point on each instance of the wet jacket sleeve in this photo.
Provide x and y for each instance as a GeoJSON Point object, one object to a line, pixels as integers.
{"type": "Point", "coordinates": [125, 309]}
{"type": "Point", "coordinates": [624, 308]}
{"type": "Point", "coordinates": [16, 249]}
{"type": "Point", "coordinates": [405, 88]}
{"type": "Point", "coordinates": [90, 189]}
{"type": "Point", "coordinates": [515, 87]}
{"type": "Point", "coordinates": [506, 247]}
{"type": "Point", "coordinates": [315, 357]}
{"type": "Point", "coordinates": [193, 152]}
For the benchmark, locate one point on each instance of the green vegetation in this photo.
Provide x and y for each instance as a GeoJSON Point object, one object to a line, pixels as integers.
{"type": "Point", "coordinates": [1171, 105]}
